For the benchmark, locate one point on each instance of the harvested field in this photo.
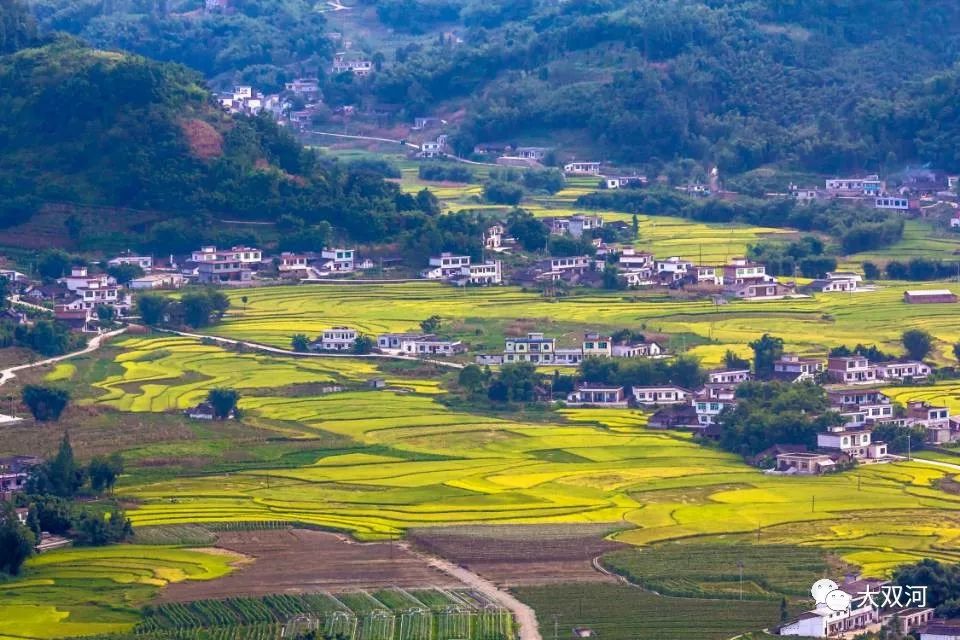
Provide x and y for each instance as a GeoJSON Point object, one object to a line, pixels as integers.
{"type": "Point", "coordinates": [523, 555]}
{"type": "Point", "coordinates": [303, 561]}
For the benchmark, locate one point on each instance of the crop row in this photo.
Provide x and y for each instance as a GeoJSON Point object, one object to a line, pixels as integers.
{"type": "Point", "coordinates": [358, 616]}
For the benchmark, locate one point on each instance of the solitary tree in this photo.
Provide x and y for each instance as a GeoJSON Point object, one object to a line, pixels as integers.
{"type": "Point", "coordinates": [300, 343]}
{"type": "Point", "coordinates": [431, 324]}
{"type": "Point", "coordinates": [917, 343]}
{"type": "Point", "coordinates": [104, 471]}
{"type": "Point", "coordinates": [244, 300]}
{"type": "Point", "coordinates": [956, 350]}
{"type": "Point", "coordinates": [224, 402]}
{"type": "Point", "coordinates": [45, 403]}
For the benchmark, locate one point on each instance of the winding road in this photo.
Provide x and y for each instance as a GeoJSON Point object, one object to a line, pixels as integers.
{"type": "Point", "coordinates": [10, 372]}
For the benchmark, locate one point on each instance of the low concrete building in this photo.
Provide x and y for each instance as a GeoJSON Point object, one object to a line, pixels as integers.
{"type": "Point", "coordinates": [650, 396]}
{"type": "Point", "coordinates": [805, 463]}
{"type": "Point", "coordinates": [588, 394]}
{"type": "Point", "coordinates": [929, 296]}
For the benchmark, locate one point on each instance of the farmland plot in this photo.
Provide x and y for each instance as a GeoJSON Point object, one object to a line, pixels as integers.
{"type": "Point", "coordinates": [808, 325]}
{"type": "Point", "coordinates": [429, 465]}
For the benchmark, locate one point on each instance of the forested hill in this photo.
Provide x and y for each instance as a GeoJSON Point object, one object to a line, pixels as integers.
{"type": "Point", "coordinates": [80, 125]}
{"type": "Point", "coordinates": [826, 85]}
{"type": "Point", "coordinates": [259, 42]}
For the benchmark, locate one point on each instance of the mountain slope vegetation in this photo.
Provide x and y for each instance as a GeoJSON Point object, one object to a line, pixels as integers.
{"type": "Point", "coordinates": [86, 126]}
{"type": "Point", "coordinates": [826, 85]}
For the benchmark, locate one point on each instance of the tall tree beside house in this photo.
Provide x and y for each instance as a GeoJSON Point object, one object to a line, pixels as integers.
{"type": "Point", "coordinates": [769, 413]}
{"type": "Point", "coordinates": [16, 540]}
{"type": "Point", "coordinates": [152, 307]}
{"type": "Point", "coordinates": [917, 342]}
{"type": "Point", "coordinates": [59, 476]}
{"type": "Point", "coordinates": [766, 350]}
{"type": "Point", "coordinates": [124, 273]}
{"type": "Point", "coordinates": [732, 361]}
{"type": "Point", "coordinates": [472, 378]}
{"type": "Point", "coordinates": [200, 308]}
{"type": "Point", "coordinates": [529, 232]}
{"type": "Point", "coordinates": [300, 343]}
{"type": "Point", "coordinates": [364, 344]}
{"type": "Point", "coordinates": [106, 314]}
{"type": "Point", "coordinates": [45, 403]}
{"type": "Point", "coordinates": [224, 402]}
{"type": "Point", "coordinates": [611, 278]}
{"type": "Point", "coordinates": [514, 383]}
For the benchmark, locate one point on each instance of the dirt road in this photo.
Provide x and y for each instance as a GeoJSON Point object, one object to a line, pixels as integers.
{"type": "Point", "coordinates": [525, 616]}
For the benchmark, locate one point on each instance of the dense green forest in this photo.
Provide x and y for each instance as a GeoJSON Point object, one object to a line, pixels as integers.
{"type": "Point", "coordinates": [825, 85]}
{"type": "Point", "coordinates": [258, 41]}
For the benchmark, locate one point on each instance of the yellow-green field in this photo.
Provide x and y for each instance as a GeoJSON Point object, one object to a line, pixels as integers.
{"type": "Point", "coordinates": [810, 325]}
{"type": "Point", "coordinates": [96, 591]}
{"type": "Point", "coordinates": [426, 464]}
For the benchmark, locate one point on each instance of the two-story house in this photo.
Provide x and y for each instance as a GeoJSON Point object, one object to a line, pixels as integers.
{"type": "Point", "coordinates": [533, 348]}
{"type": "Point", "coordinates": [792, 368]}
{"type": "Point", "coordinates": [338, 259]}
{"type": "Point", "coordinates": [851, 370]}
{"type": "Point", "coordinates": [446, 265]}
{"type": "Point", "coordinates": [336, 339]}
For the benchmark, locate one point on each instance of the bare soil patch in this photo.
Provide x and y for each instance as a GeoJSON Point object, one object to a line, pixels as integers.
{"type": "Point", "coordinates": [522, 555]}
{"type": "Point", "coordinates": [205, 142]}
{"type": "Point", "coordinates": [303, 561]}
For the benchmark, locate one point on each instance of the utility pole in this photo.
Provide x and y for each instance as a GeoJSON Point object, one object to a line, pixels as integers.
{"type": "Point", "coordinates": [740, 566]}
{"type": "Point", "coordinates": [908, 447]}
{"type": "Point", "coordinates": [813, 503]}
{"type": "Point", "coordinates": [556, 626]}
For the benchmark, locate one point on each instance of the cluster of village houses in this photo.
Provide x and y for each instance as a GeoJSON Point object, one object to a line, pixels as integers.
{"type": "Point", "coordinates": [739, 278]}
{"type": "Point", "coordinates": [76, 297]}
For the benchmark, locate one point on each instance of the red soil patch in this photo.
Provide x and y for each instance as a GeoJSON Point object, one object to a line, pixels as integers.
{"type": "Point", "coordinates": [205, 141]}
{"type": "Point", "coordinates": [302, 561]}
{"type": "Point", "coordinates": [522, 555]}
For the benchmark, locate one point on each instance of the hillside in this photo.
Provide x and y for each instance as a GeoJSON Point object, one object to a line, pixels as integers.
{"type": "Point", "coordinates": [92, 127]}
{"type": "Point", "coordinates": [246, 40]}
{"type": "Point", "coordinates": [819, 85]}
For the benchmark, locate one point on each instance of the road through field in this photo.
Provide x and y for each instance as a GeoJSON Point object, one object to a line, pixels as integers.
{"type": "Point", "coordinates": [525, 616]}
{"type": "Point", "coordinates": [259, 346]}
{"type": "Point", "coordinates": [10, 372]}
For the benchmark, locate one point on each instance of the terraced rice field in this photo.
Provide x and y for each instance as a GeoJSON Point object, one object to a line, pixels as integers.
{"type": "Point", "coordinates": [93, 591]}
{"type": "Point", "coordinates": [429, 465]}
{"type": "Point", "coordinates": [809, 325]}
{"type": "Point", "coordinates": [171, 373]}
